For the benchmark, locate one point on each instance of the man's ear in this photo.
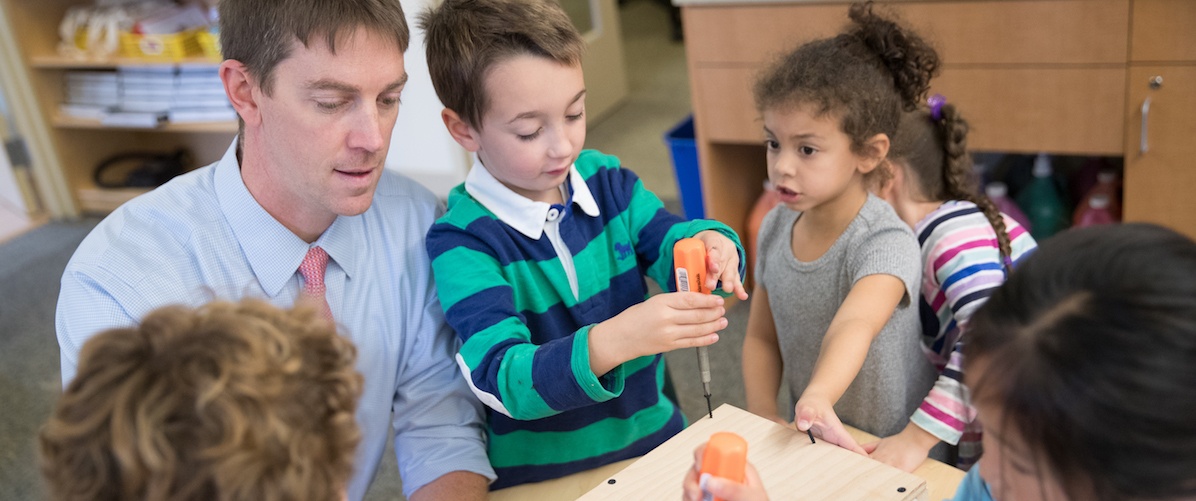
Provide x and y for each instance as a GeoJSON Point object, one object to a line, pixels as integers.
{"type": "Point", "coordinates": [240, 88]}
{"type": "Point", "coordinates": [462, 132]}
{"type": "Point", "coordinates": [876, 148]}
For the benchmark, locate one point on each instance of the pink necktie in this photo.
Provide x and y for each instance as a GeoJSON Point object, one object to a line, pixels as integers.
{"type": "Point", "coordinates": [312, 268]}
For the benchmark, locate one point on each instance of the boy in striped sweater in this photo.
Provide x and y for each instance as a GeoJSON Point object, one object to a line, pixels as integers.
{"type": "Point", "coordinates": [541, 257]}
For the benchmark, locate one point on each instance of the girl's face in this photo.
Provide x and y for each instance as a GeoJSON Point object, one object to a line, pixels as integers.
{"type": "Point", "coordinates": [1011, 466]}
{"type": "Point", "coordinates": [810, 160]}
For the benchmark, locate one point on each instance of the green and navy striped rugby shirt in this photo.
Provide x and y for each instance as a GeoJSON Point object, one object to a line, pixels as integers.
{"type": "Point", "coordinates": [525, 335]}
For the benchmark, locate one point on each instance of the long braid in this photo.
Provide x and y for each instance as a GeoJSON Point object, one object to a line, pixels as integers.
{"type": "Point", "coordinates": [958, 181]}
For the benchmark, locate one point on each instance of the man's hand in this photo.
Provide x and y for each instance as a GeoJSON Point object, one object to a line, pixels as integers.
{"type": "Point", "coordinates": [456, 485]}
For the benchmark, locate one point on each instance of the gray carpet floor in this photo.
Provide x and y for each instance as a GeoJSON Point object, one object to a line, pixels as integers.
{"type": "Point", "coordinates": [30, 268]}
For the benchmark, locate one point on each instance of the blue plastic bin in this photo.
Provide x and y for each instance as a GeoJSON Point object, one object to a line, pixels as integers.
{"type": "Point", "coordinates": [684, 151]}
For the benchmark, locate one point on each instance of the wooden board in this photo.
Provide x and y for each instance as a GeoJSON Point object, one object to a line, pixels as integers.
{"type": "Point", "coordinates": [790, 466]}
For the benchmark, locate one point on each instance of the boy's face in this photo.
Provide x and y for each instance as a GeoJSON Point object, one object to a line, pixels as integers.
{"type": "Point", "coordinates": [326, 127]}
{"type": "Point", "coordinates": [535, 125]}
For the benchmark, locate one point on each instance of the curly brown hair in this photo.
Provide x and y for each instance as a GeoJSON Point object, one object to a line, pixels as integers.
{"type": "Point", "coordinates": [466, 38]}
{"type": "Point", "coordinates": [865, 76]}
{"type": "Point", "coordinates": [227, 401]}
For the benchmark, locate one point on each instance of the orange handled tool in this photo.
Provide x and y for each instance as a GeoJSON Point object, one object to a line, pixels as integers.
{"type": "Point", "coordinates": [725, 456]}
{"type": "Point", "coordinates": [689, 266]}
{"type": "Point", "coordinates": [689, 260]}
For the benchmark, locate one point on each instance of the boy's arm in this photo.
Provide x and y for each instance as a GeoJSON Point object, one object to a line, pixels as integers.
{"type": "Point", "coordinates": [505, 370]}
{"type": "Point", "coordinates": [654, 230]}
{"type": "Point", "coordinates": [762, 363]}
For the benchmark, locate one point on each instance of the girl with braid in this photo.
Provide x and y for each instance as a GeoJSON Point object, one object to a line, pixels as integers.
{"type": "Point", "coordinates": [968, 249]}
{"type": "Point", "coordinates": [835, 313]}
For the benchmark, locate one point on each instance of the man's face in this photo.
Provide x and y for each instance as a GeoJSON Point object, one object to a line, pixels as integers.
{"type": "Point", "coordinates": [325, 130]}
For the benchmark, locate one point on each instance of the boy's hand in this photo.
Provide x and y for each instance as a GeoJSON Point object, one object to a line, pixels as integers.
{"type": "Point", "coordinates": [816, 414]}
{"type": "Point", "coordinates": [722, 263]}
{"type": "Point", "coordinates": [665, 322]}
{"type": "Point", "coordinates": [905, 450]}
{"type": "Point", "coordinates": [752, 488]}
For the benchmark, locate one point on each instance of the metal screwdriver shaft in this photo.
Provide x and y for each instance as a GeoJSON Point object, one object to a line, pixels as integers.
{"type": "Point", "coordinates": [689, 264]}
{"type": "Point", "coordinates": [704, 369]}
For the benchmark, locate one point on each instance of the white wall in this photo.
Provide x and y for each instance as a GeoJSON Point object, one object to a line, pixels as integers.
{"type": "Point", "coordinates": [10, 193]}
{"type": "Point", "coordinates": [420, 146]}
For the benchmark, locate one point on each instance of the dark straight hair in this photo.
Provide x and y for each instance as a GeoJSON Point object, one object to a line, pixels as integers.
{"type": "Point", "coordinates": [1091, 354]}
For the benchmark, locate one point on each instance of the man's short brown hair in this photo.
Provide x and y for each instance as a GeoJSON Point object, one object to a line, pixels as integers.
{"type": "Point", "coordinates": [261, 33]}
{"type": "Point", "coordinates": [227, 401]}
{"type": "Point", "coordinates": [466, 38]}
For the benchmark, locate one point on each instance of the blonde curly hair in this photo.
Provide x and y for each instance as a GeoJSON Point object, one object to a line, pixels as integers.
{"type": "Point", "coordinates": [226, 401]}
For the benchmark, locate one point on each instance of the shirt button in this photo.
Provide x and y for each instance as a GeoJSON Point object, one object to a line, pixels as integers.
{"type": "Point", "coordinates": [553, 213]}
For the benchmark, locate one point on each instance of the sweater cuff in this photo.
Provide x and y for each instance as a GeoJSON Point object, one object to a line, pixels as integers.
{"type": "Point", "coordinates": [936, 427]}
{"type": "Point", "coordinates": [600, 389]}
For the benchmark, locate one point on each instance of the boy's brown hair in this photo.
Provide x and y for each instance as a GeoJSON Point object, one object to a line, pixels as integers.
{"type": "Point", "coordinates": [261, 33]}
{"type": "Point", "coordinates": [227, 401]}
{"type": "Point", "coordinates": [466, 38]}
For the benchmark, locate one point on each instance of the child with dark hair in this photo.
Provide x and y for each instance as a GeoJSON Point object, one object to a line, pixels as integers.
{"type": "Point", "coordinates": [1083, 370]}
{"type": "Point", "coordinates": [225, 401]}
{"type": "Point", "coordinates": [968, 248]}
{"type": "Point", "coordinates": [838, 271]}
{"type": "Point", "coordinates": [541, 258]}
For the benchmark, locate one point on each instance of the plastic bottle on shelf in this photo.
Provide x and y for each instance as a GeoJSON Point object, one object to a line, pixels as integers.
{"type": "Point", "coordinates": [1095, 211]}
{"type": "Point", "coordinates": [998, 193]}
{"type": "Point", "coordinates": [1107, 185]}
{"type": "Point", "coordinates": [1041, 202]}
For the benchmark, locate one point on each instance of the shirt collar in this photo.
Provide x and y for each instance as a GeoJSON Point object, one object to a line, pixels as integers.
{"type": "Point", "coordinates": [525, 215]}
{"type": "Point", "coordinates": [273, 251]}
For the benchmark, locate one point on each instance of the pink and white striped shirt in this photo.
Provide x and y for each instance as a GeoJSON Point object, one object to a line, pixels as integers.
{"type": "Point", "coordinates": [961, 267]}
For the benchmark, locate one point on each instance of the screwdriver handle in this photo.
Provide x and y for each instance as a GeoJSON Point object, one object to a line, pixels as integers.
{"type": "Point", "coordinates": [725, 456]}
{"type": "Point", "coordinates": [689, 265]}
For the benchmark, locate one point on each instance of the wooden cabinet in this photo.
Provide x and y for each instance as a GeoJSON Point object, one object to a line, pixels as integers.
{"type": "Point", "coordinates": [1060, 76]}
{"type": "Point", "coordinates": [73, 147]}
{"type": "Point", "coordinates": [1160, 155]}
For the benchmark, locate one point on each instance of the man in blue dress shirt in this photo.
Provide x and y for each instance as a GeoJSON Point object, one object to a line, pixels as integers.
{"type": "Point", "coordinates": [316, 85]}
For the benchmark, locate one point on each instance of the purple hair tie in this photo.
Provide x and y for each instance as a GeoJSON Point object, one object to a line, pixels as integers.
{"type": "Point", "coordinates": [936, 103]}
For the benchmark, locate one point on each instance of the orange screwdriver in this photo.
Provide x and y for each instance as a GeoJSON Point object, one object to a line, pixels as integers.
{"type": "Point", "coordinates": [689, 265]}
{"type": "Point", "coordinates": [725, 456]}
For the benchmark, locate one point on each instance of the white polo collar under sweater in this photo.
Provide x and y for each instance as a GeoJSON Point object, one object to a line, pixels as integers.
{"type": "Point", "coordinates": [527, 216]}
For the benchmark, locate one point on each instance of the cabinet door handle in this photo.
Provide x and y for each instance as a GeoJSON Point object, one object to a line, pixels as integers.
{"type": "Point", "coordinates": [1154, 83]}
{"type": "Point", "coordinates": [1143, 146]}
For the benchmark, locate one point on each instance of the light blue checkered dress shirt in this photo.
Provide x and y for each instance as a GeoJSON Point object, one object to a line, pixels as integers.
{"type": "Point", "coordinates": [202, 236]}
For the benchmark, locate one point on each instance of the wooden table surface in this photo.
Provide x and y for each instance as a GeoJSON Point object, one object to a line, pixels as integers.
{"type": "Point", "coordinates": [941, 479]}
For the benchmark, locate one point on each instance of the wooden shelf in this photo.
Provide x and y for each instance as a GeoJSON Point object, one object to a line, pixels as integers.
{"type": "Point", "coordinates": [96, 200]}
{"type": "Point", "coordinates": [62, 62]}
{"type": "Point", "coordinates": [207, 127]}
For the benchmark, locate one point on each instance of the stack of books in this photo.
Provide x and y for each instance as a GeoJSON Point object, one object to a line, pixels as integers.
{"type": "Point", "coordinates": [147, 96]}
{"type": "Point", "coordinates": [146, 93]}
{"type": "Point", "coordinates": [199, 96]}
{"type": "Point", "coordinates": [89, 94]}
